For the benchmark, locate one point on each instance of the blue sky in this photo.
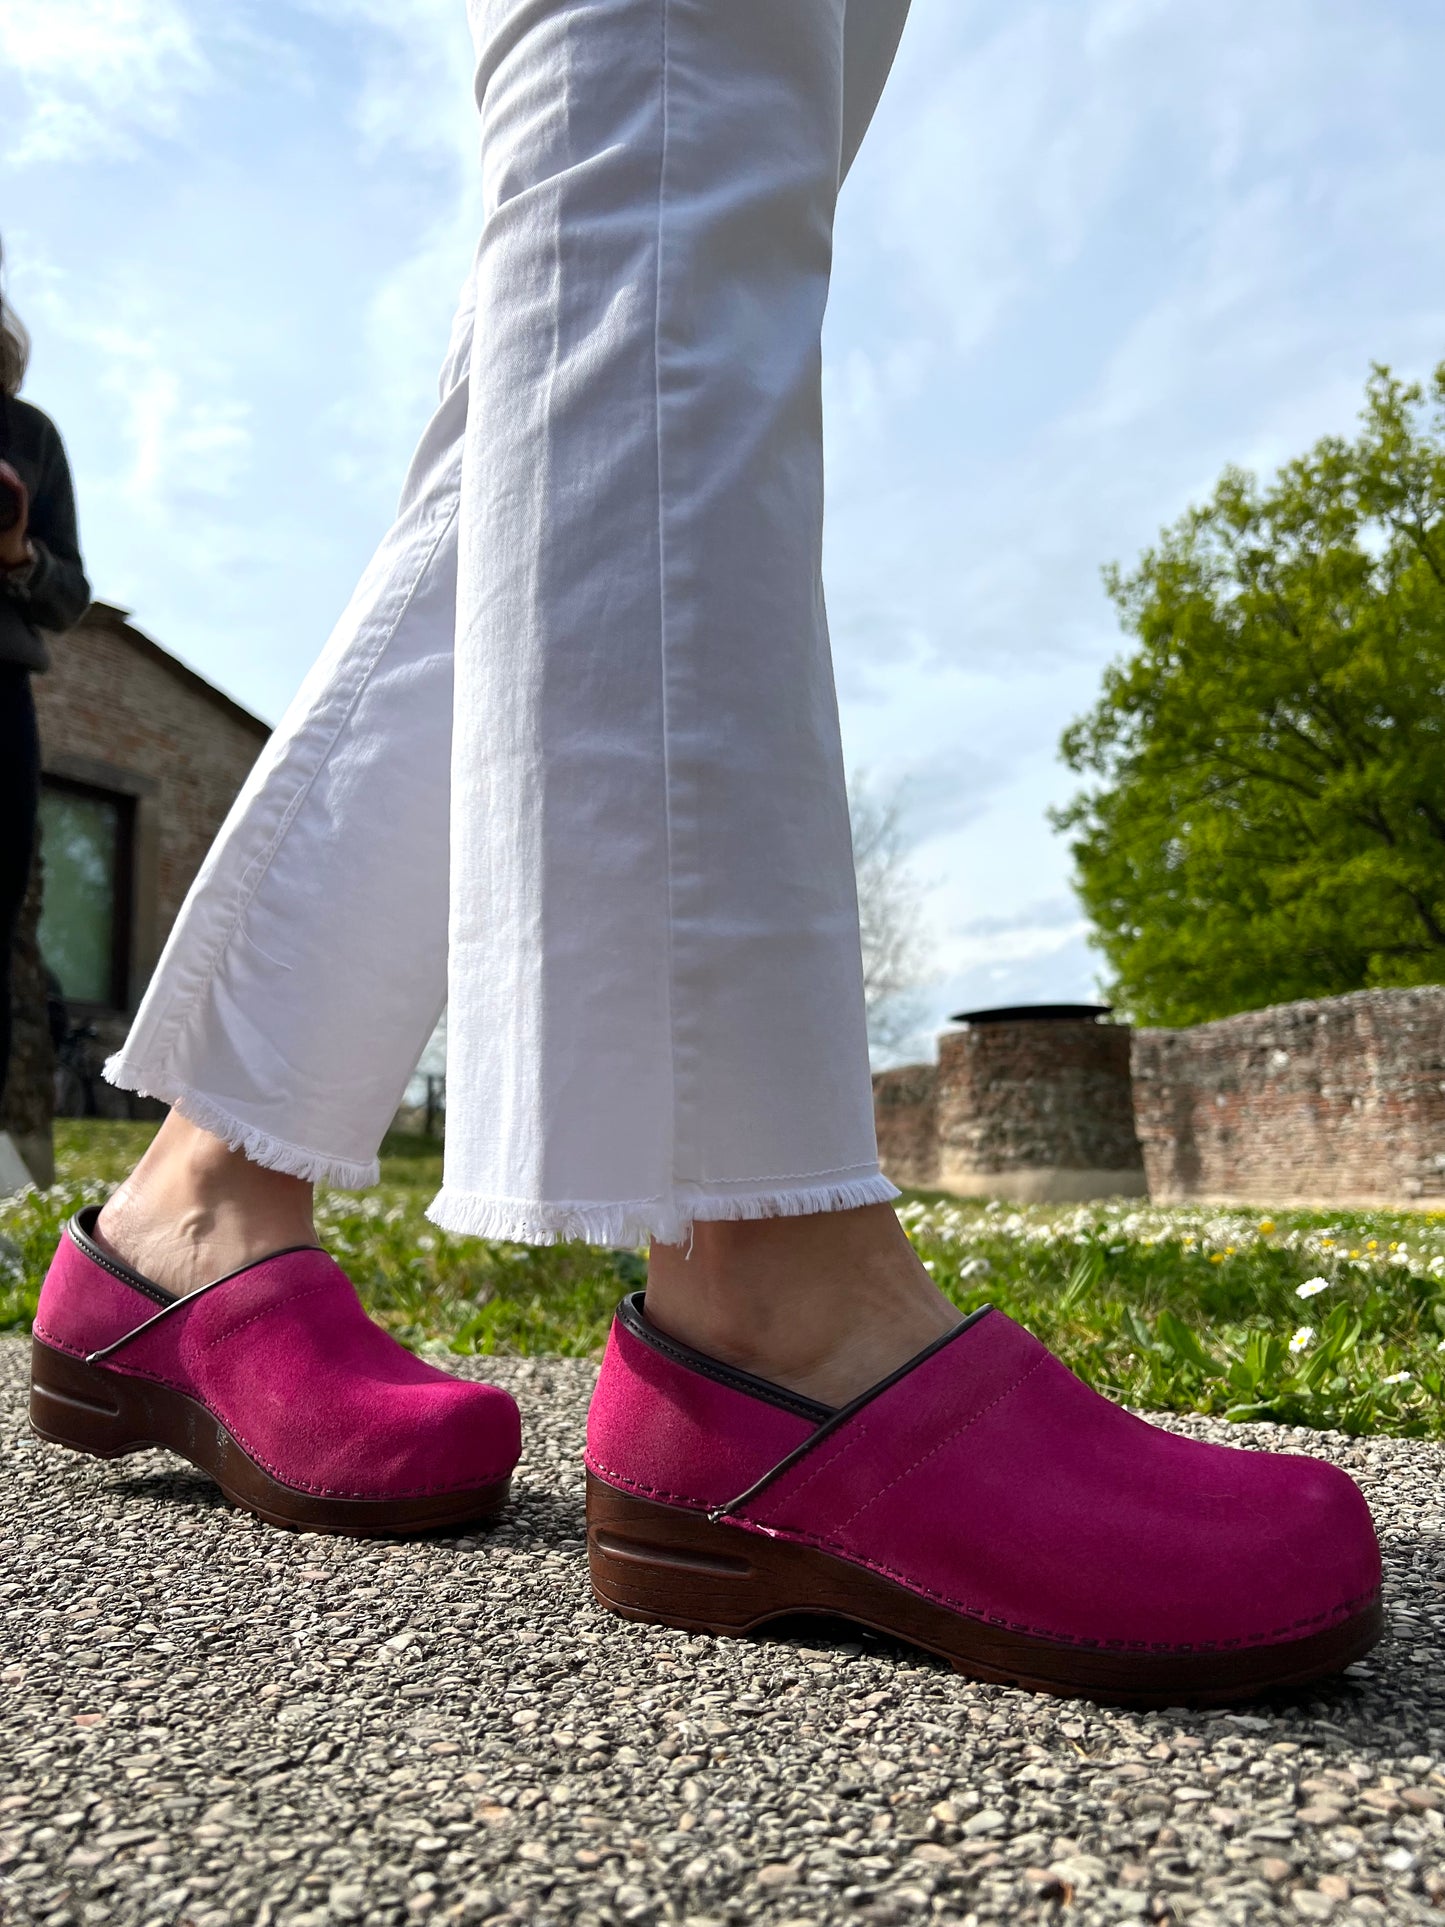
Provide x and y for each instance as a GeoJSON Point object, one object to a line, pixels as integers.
{"type": "Point", "coordinates": [1092, 251]}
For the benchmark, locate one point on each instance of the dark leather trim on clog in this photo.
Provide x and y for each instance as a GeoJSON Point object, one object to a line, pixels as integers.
{"type": "Point", "coordinates": [846, 1412]}
{"type": "Point", "coordinates": [80, 1230]}
{"type": "Point", "coordinates": [632, 1317]}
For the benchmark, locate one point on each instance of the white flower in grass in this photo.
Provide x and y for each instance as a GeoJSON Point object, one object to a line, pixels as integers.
{"type": "Point", "coordinates": [1312, 1287]}
{"type": "Point", "coordinates": [1303, 1339]}
{"type": "Point", "coordinates": [1397, 1378]}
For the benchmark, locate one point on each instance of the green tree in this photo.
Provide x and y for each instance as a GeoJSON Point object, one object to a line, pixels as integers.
{"type": "Point", "coordinates": [1265, 815]}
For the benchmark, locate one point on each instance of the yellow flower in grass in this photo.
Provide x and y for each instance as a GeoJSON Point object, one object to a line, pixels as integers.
{"type": "Point", "coordinates": [1266, 1225]}
{"type": "Point", "coordinates": [1216, 1257]}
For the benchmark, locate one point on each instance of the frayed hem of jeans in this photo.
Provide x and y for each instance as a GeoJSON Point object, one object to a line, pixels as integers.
{"type": "Point", "coordinates": [635, 1222]}
{"type": "Point", "coordinates": [274, 1153]}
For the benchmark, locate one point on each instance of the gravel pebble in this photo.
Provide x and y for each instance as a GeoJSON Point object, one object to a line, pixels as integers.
{"type": "Point", "coordinates": [208, 1723]}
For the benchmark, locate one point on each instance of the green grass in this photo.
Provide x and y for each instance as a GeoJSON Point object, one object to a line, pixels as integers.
{"type": "Point", "coordinates": [1189, 1308]}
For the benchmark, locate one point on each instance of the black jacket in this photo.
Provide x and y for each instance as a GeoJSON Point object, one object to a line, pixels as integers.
{"type": "Point", "coordinates": [53, 592]}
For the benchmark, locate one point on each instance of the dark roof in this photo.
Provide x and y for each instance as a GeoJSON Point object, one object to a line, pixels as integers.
{"type": "Point", "coordinates": [1033, 1014]}
{"type": "Point", "coordinates": [108, 616]}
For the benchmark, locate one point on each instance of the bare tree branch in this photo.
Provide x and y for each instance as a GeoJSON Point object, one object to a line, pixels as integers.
{"type": "Point", "coordinates": [890, 922]}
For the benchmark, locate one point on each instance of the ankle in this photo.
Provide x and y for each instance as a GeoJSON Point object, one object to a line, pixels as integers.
{"type": "Point", "coordinates": [193, 1207]}
{"type": "Point", "coordinates": [825, 1305]}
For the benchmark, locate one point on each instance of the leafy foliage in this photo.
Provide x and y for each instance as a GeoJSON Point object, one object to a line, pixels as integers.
{"type": "Point", "coordinates": [1191, 1309]}
{"type": "Point", "coordinates": [1267, 816]}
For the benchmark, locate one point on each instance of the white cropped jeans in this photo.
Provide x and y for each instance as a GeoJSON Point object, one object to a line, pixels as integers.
{"type": "Point", "coordinates": [570, 760]}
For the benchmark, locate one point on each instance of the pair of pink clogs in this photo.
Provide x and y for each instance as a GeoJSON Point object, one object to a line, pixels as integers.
{"type": "Point", "coordinates": [981, 1503]}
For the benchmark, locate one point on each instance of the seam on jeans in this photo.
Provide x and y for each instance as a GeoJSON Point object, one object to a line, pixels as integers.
{"type": "Point", "coordinates": [868, 1170]}
{"type": "Point", "coordinates": [760, 1191]}
{"type": "Point", "coordinates": [759, 1186]}
{"type": "Point", "coordinates": [255, 873]}
{"type": "Point", "coordinates": [662, 605]}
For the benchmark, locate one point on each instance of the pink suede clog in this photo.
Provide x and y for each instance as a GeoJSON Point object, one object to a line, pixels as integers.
{"type": "Point", "coordinates": [984, 1503]}
{"type": "Point", "coordinates": [275, 1382]}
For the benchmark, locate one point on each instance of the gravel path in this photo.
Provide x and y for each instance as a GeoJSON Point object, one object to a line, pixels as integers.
{"type": "Point", "coordinates": [209, 1722]}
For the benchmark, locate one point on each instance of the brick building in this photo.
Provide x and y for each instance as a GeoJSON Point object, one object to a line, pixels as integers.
{"type": "Point", "coordinates": [141, 759]}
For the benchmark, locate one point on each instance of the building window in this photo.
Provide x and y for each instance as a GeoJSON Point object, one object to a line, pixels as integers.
{"type": "Point", "coordinates": [86, 842]}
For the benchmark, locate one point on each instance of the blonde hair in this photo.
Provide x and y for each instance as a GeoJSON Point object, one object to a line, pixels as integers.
{"type": "Point", "coordinates": [14, 346]}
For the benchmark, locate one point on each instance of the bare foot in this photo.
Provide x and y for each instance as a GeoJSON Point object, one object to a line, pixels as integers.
{"type": "Point", "coordinates": [826, 1305]}
{"type": "Point", "coordinates": [192, 1210]}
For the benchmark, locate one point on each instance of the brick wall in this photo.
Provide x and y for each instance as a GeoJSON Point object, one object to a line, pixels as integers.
{"type": "Point", "coordinates": [120, 714]}
{"type": "Point", "coordinates": [1334, 1102]}
{"type": "Point", "coordinates": [116, 710]}
{"type": "Point", "coordinates": [904, 1114]}
{"type": "Point", "coordinates": [1037, 1109]}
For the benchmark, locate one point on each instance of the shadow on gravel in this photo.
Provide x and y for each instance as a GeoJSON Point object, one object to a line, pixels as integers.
{"type": "Point", "coordinates": [166, 1485]}
{"type": "Point", "coordinates": [536, 1522]}
{"type": "Point", "coordinates": [1350, 1708]}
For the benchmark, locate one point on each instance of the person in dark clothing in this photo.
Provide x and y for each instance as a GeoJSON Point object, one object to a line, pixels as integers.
{"type": "Point", "coordinates": [42, 588]}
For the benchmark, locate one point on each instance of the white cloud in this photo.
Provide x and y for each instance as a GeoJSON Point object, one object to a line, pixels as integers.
{"type": "Point", "coordinates": [95, 75]}
{"type": "Point", "coordinates": [1008, 941]}
{"type": "Point", "coordinates": [413, 108]}
{"type": "Point", "coordinates": [1131, 243]}
{"type": "Point", "coordinates": [416, 74]}
{"type": "Point", "coordinates": [179, 428]}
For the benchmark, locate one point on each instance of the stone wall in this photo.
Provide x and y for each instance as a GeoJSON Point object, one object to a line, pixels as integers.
{"type": "Point", "coordinates": [1335, 1102]}
{"type": "Point", "coordinates": [906, 1120]}
{"type": "Point", "coordinates": [1037, 1110]}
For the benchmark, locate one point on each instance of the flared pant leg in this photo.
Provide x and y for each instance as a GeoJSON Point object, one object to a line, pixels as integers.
{"type": "Point", "coordinates": [307, 966]}
{"type": "Point", "coordinates": [645, 904]}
